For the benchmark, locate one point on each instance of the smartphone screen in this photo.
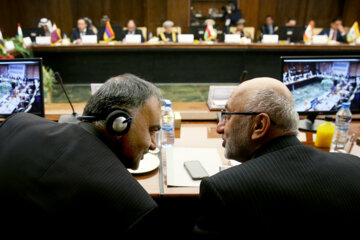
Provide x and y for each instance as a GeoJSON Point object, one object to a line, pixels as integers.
{"type": "Point", "coordinates": [195, 170]}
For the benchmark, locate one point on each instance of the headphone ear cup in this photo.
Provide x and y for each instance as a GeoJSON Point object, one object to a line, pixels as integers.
{"type": "Point", "coordinates": [118, 122]}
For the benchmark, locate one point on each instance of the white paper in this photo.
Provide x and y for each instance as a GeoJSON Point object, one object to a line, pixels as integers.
{"type": "Point", "coordinates": [176, 172]}
{"type": "Point", "coordinates": [218, 96]}
{"type": "Point", "coordinates": [133, 38]}
{"type": "Point", "coordinates": [221, 103]}
{"type": "Point", "coordinates": [186, 38]}
{"type": "Point", "coordinates": [227, 22]}
{"type": "Point", "coordinates": [89, 39]}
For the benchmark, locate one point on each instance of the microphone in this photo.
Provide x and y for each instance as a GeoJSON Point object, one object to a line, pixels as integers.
{"type": "Point", "coordinates": [66, 118]}
{"type": "Point", "coordinates": [243, 76]}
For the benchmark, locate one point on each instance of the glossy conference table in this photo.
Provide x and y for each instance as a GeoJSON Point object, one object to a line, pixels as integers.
{"type": "Point", "coordinates": [177, 63]}
{"type": "Point", "coordinates": [200, 133]}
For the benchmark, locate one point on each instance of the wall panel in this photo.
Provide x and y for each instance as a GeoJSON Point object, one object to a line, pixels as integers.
{"type": "Point", "coordinates": [152, 13]}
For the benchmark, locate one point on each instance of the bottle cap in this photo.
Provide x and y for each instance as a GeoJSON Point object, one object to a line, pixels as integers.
{"type": "Point", "coordinates": [167, 103]}
{"type": "Point", "coordinates": [328, 118]}
{"type": "Point", "coordinates": [345, 104]}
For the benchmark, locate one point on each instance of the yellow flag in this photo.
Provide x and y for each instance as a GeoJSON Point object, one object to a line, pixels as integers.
{"type": "Point", "coordinates": [354, 33]}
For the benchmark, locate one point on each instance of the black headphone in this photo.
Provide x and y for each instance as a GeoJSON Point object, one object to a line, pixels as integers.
{"type": "Point", "coordinates": [117, 121]}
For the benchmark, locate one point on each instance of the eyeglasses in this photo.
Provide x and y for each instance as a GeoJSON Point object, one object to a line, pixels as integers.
{"type": "Point", "coordinates": [224, 115]}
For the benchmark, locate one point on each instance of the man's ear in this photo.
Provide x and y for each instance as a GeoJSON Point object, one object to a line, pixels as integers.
{"type": "Point", "coordinates": [261, 125]}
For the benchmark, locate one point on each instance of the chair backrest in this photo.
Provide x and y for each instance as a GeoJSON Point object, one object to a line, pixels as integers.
{"type": "Point", "coordinates": [143, 30]}
{"type": "Point", "coordinates": [161, 30]}
{"type": "Point", "coordinates": [317, 31]}
{"type": "Point", "coordinates": [250, 30]}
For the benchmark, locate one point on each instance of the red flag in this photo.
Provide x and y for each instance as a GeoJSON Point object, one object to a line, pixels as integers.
{"type": "Point", "coordinates": [55, 36]}
{"type": "Point", "coordinates": [309, 32]}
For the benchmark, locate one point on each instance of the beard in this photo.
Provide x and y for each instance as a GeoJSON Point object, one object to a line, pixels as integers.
{"type": "Point", "coordinates": [239, 144]}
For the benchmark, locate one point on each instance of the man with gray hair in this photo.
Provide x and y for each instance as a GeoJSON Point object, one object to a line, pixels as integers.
{"type": "Point", "coordinates": [74, 177]}
{"type": "Point", "coordinates": [282, 188]}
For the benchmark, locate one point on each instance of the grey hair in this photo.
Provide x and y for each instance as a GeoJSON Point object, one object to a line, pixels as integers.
{"type": "Point", "coordinates": [279, 108]}
{"type": "Point", "coordinates": [127, 92]}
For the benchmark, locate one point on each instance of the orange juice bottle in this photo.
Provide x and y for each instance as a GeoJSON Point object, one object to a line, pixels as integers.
{"type": "Point", "coordinates": [325, 133]}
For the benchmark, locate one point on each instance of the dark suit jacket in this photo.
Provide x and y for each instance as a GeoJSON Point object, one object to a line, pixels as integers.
{"type": "Point", "coordinates": [76, 33]}
{"type": "Point", "coordinates": [339, 37]}
{"type": "Point", "coordinates": [137, 31]}
{"type": "Point", "coordinates": [64, 176]}
{"type": "Point", "coordinates": [287, 188]}
{"type": "Point", "coordinates": [265, 29]}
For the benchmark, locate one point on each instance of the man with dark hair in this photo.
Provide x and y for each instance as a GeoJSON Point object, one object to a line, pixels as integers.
{"type": "Point", "coordinates": [269, 27]}
{"type": "Point", "coordinates": [74, 176]}
{"type": "Point", "coordinates": [132, 30]}
{"type": "Point", "coordinates": [81, 30]}
{"type": "Point", "coordinates": [336, 32]}
{"type": "Point", "coordinates": [290, 22]}
{"type": "Point", "coordinates": [282, 188]}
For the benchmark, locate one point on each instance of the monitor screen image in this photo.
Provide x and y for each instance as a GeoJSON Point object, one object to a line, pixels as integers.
{"type": "Point", "coordinates": [321, 84]}
{"type": "Point", "coordinates": [21, 87]}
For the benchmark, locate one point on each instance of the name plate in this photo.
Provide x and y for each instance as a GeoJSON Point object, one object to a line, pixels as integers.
{"type": "Point", "coordinates": [270, 38]}
{"type": "Point", "coordinates": [186, 38]}
{"type": "Point", "coordinates": [320, 39]}
{"type": "Point", "coordinates": [27, 41]}
{"type": "Point", "coordinates": [89, 39]}
{"type": "Point", "coordinates": [43, 40]}
{"type": "Point", "coordinates": [232, 38]}
{"type": "Point", "coordinates": [133, 38]}
{"type": "Point", "coordinates": [9, 45]}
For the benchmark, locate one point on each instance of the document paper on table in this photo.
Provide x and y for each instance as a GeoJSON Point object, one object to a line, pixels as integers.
{"type": "Point", "coordinates": [176, 172]}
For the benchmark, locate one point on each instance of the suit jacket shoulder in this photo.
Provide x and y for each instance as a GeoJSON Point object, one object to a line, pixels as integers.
{"type": "Point", "coordinates": [64, 172]}
{"type": "Point", "coordinates": [137, 31]}
{"type": "Point", "coordinates": [89, 31]}
{"type": "Point", "coordinates": [284, 185]}
{"type": "Point", "coordinates": [75, 34]}
{"type": "Point", "coordinates": [325, 31]}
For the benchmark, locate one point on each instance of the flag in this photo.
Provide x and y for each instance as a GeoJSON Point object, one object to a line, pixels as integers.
{"type": "Point", "coordinates": [55, 35]}
{"type": "Point", "coordinates": [108, 33]}
{"type": "Point", "coordinates": [309, 31]}
{"type": "Point", "coordinates": [2, 47]}
{"type": "Point", "coordinates": [353, 33]}
{"type": "Point", "coordinates": [210, 33]}
{"type": "Point", "coordinates": [19, 30]}
{"type": "Point", "coordinates": [2, 43]}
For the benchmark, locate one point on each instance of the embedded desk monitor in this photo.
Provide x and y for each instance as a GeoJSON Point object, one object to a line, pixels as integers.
{"type": "Point", "coordinates": [198, 31]}
{"type": "Point", "coordinates": [319, 85]}
{"type": "Point", "coordinates": [291, 33]}
{"type": "Point", "coordinates": [33, 32]}
{"type": "Point", "coordinates": [21, 87]}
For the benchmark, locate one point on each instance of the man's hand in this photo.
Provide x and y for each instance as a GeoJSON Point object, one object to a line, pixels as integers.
{"type": "Point", "coordinates": [341, 28]}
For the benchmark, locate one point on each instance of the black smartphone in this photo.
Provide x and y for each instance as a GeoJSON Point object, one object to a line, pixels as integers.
{"type": "Point", "coordinates": [195, 170]}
